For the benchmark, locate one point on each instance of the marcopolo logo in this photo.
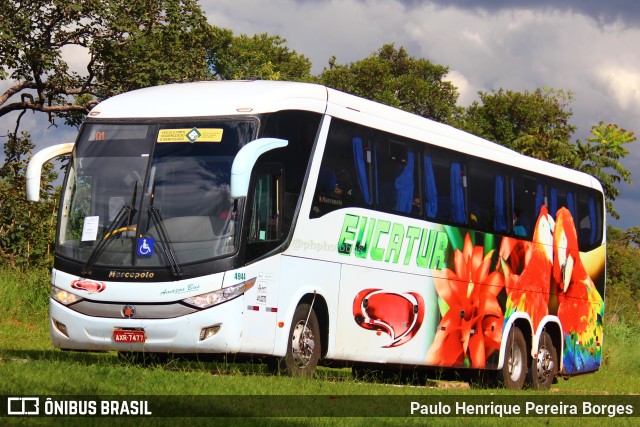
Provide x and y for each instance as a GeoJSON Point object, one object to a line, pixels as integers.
{"type": "Point", "coordinates": [387, 241]}
{"type": "Point", "coordinates": [134, 275]}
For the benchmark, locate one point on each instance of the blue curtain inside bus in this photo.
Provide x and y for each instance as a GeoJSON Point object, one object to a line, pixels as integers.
{"type": "Point", "coordinates": [539, 198]}
{"type": "Point", "coordinates": [361, 168]}
{"type": "Point", "coordinates": [404, 186]}
{"type": "Point", "coordinates": [431, 204]}
{"type": "Point", "coordinates": [458, 213]}
{"type": "Point", "coordinates": [499, 219]}
{"type": "Point", "coordinates": [553, 204]}
{"type": "Point", "coordinates": [571, 205]}
{"type": "Point", "coordinates": [592, 221]}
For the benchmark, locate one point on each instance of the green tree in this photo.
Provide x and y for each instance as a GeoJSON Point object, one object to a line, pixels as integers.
{"type": "Point", "coordinates": [600, 156]}
{"type": "Point", "coordinates": [623, 275]}
{"type": "Point", "coordinates": [33, 34]}
{"type": "Point", "coordinates": [26, 229]}
{"type": "Point", "coordinates": [262, 57]}
{"type": "Point", "coordinates": [533, 123]}
{"type": "Point", "coordinates": [129, 44]}
{"type": "Point", "coordinates": [153, 42]}
{"type": "Point", "coordinates": [390, 76]}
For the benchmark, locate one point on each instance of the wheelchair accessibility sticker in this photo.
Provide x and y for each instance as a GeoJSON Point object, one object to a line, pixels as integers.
{"type": "Point", "coordinates": [145, 246]}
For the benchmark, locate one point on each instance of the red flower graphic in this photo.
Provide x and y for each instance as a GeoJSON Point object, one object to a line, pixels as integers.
{"type": "Point", "coordinates": [471, 328]}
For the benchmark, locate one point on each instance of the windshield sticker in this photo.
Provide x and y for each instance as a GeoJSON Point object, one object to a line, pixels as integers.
{"type": "Point", "coordinates": [90, 228]}
{"type": "Point", "coordinates": [145, 246]}
{"type": "Point", "coordinates": [190, 135]}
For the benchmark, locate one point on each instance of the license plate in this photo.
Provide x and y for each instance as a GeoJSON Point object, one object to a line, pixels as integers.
{"type": "Point", "coordinates": [120, 335]}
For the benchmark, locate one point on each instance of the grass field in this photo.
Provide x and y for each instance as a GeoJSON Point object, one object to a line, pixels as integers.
{"type": "Point", "coordinates": [29, 366]}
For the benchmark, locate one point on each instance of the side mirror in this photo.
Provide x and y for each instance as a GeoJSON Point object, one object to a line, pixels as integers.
{"type": "Point", "coordinates": [34, 169]}
{"type": "Point", "coordinates": [245, 161]}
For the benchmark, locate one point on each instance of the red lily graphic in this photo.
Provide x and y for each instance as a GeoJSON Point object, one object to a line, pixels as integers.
{"type": "Point", "coordinates": [471, 327]}
{"type": "Point", "coordinates": [398, 315]}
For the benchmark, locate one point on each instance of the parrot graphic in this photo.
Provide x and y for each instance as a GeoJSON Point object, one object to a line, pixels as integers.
{"type": "Point", "coordinates": [529, 292]}
{"type": "Point", "coordinates": [576, 300]}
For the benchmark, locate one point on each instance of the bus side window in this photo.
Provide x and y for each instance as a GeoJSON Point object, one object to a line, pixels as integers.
{"type": "Point", "coordinates": [265, 219]}
{"type": "Point", "coordinates": [394, 172]}
{"type": "Point", "coordinates": [344, 176]}
{"type": "Point", "coordinates": [265, 225]}
{"type": "Point", "coordinates": [487, 196]}
{"type": "Point", "coordinates": [450, 187]}
{"type": "Point", "coordinates": [562, 196]}
{"type": "Point", "coordinates": [589, 225]}
{"type": "Point", "coordinates": [527, 198]}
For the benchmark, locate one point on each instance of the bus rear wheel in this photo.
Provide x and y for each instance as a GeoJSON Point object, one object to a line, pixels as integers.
{"type": "Point", "coordinates": [545, 365]}
{"type": "Point", "coordinates": [514, 370]}
{"type": "Point", "coordinates": [304, 346]}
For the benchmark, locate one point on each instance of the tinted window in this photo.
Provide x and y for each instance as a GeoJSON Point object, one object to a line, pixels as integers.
{"type": "Point", "coordinates": [446, 186]}
{"type": "Point", "coordinates": [488, 196]}
{"type": "Point", "coordinates": [396, 175]}
{"type": "Point", "coordinates": [345, 173]}
{"type": "Point", "coordinates": [299, 128]}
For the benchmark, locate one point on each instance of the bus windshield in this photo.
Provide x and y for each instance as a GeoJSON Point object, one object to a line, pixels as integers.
{"type": "Point", "coordinates": [152, 195]}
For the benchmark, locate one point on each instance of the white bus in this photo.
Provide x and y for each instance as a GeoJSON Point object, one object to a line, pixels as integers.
{"type": "Point", "coordinates": [293, 221]}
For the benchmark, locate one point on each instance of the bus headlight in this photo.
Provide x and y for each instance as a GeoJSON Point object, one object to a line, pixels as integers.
{"type": "Point", "coordinates": [217, 297]}
{"type": "Point", "coordinates": [63, 297]}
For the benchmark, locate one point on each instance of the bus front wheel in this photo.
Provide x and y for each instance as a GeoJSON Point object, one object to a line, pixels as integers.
{"type": "Point", "coordinates": [304, 347]}
{"type": "Point", "coordinates": [514, 369]}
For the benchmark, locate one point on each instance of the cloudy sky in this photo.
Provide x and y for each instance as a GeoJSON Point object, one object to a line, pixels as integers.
{"type": "Point", "coordinates": [589, 47]}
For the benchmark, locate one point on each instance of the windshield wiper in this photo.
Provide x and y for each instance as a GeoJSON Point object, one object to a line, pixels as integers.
{"type": "Point", "coordinates": [167, 248]}
{"type": "Point", "coordinates": [126, 211]}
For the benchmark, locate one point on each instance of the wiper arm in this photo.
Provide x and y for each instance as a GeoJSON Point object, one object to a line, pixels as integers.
{"type": "Point", "coordinates": [102, 245]}
{"type": "Point", "coordinates": [167, 248]}
{"type": "Point", "coordinates": [126, 211]}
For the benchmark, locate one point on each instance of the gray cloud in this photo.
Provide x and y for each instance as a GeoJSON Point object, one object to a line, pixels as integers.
{"type": "Point", "coordinates": [603, 12]}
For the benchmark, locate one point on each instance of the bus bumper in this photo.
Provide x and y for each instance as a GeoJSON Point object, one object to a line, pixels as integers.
{"type": "Point", "coordinates": [71, 330]}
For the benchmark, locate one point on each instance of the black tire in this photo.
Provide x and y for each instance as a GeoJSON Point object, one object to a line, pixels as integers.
{"type": "Point", "coordinates": [544, 367]}
{"type": "Point", "coordinates": [304, 346]}
{"type": "Point", "coordinates": [514, 369]}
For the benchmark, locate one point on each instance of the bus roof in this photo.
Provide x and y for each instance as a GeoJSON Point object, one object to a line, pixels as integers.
{"type": "Point", "coordinates": [198, 99]}
{"type": "Point", "coordinates": [213, 98]}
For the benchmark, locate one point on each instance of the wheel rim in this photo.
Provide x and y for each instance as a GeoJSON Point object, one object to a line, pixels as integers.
{"type": "Point", "coordinates": [302, 344]}
{"type": "Point", "coordinates": [515, 364]}
{"type": "Point", "coordinates": [544, 364]}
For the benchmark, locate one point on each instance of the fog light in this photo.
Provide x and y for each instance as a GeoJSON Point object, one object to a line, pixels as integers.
{"type": "Point", "coordinates": [61, 327]}
{"type": "Point", "coordinates": [208, 332]}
